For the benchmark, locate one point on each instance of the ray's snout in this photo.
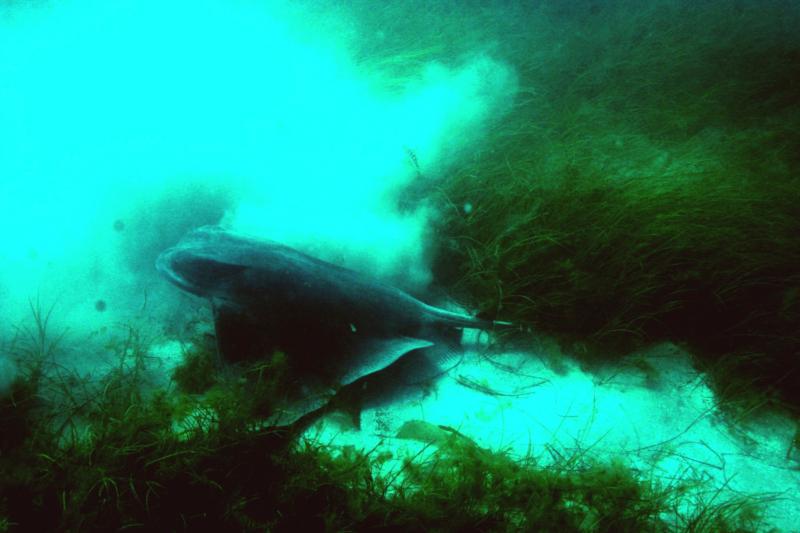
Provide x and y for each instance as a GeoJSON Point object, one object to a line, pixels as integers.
{"type": "Point", "coordinates": [164, 262]}
{"type": "Point", "coordinates": [175, 265]}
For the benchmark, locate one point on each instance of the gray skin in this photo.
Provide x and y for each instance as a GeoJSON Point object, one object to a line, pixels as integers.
{"type": "Point", "coordinates": [263, 275]}
{"type": "Point", "coordinates": [337, 324]}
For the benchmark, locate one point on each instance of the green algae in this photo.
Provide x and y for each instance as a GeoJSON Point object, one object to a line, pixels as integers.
{"type": "Point", "coordinates": [120, 464]}
{"type": "Point", "coordinates": [645, 188]}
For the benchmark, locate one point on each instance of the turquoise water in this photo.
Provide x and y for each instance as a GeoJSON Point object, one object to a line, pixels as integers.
{"type": "Point", "coordinates": [140, 112]}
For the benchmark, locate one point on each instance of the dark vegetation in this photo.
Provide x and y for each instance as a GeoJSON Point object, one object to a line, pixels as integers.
{"type": "Point", "coordinates": [108, 456]}
{"type": "Point", "coordinates": [644, 187]}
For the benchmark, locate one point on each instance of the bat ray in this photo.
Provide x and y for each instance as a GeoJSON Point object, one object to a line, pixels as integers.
{"type": "Point", "coordinates": [340, 325]}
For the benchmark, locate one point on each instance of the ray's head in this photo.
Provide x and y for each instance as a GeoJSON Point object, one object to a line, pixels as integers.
{"type": "Point", "coordinates": [186, 270]}
{"type": "Point", "coordinates": [205, 263]}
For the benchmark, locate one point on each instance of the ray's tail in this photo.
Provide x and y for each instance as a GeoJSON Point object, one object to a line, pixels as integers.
{"type": "Point", "coordinates": [463, 320]}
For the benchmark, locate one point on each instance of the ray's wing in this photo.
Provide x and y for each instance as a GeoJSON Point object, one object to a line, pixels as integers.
{"type": "Point", "coordinates": [377, 354]}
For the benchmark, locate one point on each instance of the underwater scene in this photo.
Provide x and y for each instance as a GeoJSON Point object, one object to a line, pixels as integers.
{"type": "Point", "coordinates": [308, 265]}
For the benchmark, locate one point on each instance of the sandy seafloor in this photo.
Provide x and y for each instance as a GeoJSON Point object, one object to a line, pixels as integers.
{"type": "Point", "coordinates": [654, 412]}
